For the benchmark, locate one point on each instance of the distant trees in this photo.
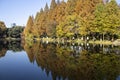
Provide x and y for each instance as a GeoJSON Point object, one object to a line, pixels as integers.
{"type": "Point", "coordinates": [97, 19]}
{"type": "Point", "coordinates": [2, 29]}
{"type": "Point", "coordinates": [15, 32]}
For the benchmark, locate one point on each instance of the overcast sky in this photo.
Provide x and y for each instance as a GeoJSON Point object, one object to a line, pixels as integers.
{"type": "Point", "coordinates": [18, 11]}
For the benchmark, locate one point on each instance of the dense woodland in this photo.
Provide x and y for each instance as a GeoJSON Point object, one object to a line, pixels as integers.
{"type": "Point", "coordinates": [83, 19]}
{"type": "Point", "coordinates": [93, 19]}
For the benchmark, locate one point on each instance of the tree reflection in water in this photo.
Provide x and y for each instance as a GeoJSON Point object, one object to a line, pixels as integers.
{"type": "Point", "coordinates": [76, 62]}
{"type": "Point", "coordinates": [71, 62]}
{"type": "Point", "coordinates": [9, 45]}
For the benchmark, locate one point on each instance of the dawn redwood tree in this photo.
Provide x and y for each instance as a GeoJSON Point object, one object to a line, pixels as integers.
{"type": "Point", "coordinates": [29, 27]}
{"type": "Point", "coordinates": [53, 5]}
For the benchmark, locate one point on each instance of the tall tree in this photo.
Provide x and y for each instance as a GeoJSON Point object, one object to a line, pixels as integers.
{"type": "Point", "coordinates": [99, 24]}
{"type": "Point", "coordinates": [69, 27]}
{"type": "Point", "coordinates": [70, 7]}
{"type": "Point", "coordinates": [46, 9]}
{"type": "Point", "coordinates": [113, 17]}
{"type": "Point", "coordinates": [29, 27]}
{"type": "Point", "coordinates": [60, 12]}
{"type": "Point", "coordinates": [85, 9]}
{"type": "Point", "coordinates": [53, 5]}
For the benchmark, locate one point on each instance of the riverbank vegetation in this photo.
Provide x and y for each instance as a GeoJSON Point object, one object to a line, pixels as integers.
{"type": "Point", "coordinates": [76, 19]}
{"type": "Point", "coordinates": [10, 33]}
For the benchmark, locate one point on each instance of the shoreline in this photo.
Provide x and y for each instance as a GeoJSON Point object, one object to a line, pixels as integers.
{"type": "Point", "coordinates": [60, 40]}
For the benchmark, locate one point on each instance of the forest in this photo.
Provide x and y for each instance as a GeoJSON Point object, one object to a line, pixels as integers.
{"type": "Point", "coordinates": [84, 19]}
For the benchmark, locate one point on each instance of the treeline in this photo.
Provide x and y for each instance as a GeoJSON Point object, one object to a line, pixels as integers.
{"type": "Point", "coordinates": [85, 19]}
{"type": "Point", "coordinates": [13, 32]}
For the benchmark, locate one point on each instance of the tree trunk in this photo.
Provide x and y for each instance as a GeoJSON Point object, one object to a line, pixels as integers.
{"type": "Point", "coordinates": [103, 36]}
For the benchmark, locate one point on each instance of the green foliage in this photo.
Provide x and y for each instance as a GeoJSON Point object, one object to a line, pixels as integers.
{"type": "Point", "coordinates": [107, 18]}
{"type": "Point", "coordinates": [15, 32]}
{"type": "Point", "coordinates": [69, 27]}
{"type": "Point", "coordinates": [113, 17]}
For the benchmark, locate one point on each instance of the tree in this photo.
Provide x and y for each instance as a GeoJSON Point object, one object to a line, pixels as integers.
{"type": "Point", "coordinates": [2, 29]}
{"type": "Point", "coordinates": [70, 7]}
{"type": "Point", "coordinates": [29, 27]}
{"type": "Point", "coordinates": [60, 12]}
{"type": "Point", "coordinates": [85, 9]}
{"type": "Point", "coordinates": [46, 9]}
{"type": "Point", "coordinates": [53, 5]}
{"type": "Point", "coordinates": [99, 24]}
{"type": "Point", "coordinates": [113, 17]}
{"type": "Point", "coordinates": [69, 27]}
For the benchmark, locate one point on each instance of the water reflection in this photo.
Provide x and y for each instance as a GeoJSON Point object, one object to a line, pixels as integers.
{"type": "Point", "coordinates": [76, 62]}
{"type": "Point", "coordinates": [14, 46]}
{"type": "Point", "coordinates": [72, 62]}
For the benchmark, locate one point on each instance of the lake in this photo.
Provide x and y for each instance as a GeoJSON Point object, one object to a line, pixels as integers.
{"type": "Point", "coordinates": [53, 61]}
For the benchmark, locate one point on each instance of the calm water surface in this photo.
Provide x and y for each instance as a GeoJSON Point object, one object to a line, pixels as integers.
{"type": "Point", "coordinates": [42, 61]}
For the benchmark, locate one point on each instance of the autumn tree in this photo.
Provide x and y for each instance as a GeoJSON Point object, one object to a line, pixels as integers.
{"type": "Point", "coordinates": [29, 27]}
{"type": "Point", "coordinates": [60, 12]}
{"type": "Point", "coordinates": [86, 18]}
{"type": "Point", "coordinates": [53, 5]}
{"type": "Point", "coordinates": [70, 7]}
{"type": "Point", "coordinates": [113, 18]}
{"type": "Point", "coordinates": [69, 27]}
{"type": "Point", "coordinates": [98, 24]}
{"type": "Point", "coordinates": [46, 9]}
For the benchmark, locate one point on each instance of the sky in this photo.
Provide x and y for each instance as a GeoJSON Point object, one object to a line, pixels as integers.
{"type": "Point", "coordinates": [18, 11]}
